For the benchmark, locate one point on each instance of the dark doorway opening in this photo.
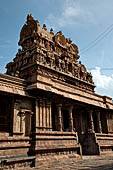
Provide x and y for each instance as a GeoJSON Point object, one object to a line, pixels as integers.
{"type": "Point", "coordinates": [95, 122]}
{"type": "Point", "coordinates": [54, 118]}
{"type": "Point", "coordinates": [5, 113]}
{"type": "Point", "coordinates": [103, 120]}
{"type": "Point", "coordinates": [65, 117]}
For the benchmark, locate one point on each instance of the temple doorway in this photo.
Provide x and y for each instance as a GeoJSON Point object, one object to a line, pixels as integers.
{"type": "Point", "coordinates": [5, 113]}
{"type": "Point", "coordinates": [95, 122]}
{"type": "Point", "coordinates": [65, 120]}
{"type": "Point", "coordinates": [103, 122]}
{"type": "Point", "coordinates": [54, 118]}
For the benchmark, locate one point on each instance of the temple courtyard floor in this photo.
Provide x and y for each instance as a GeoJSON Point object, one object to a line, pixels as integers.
{"type": "Point", "coordinates": [87, 163]}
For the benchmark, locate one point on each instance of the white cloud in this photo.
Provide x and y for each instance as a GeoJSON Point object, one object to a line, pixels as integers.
{"type": "Point", "coordinates": [1, 57]}
{"type": "Point", "coordinates": [104, 83]}
{"type": "Point", "coordinates": [70, 14]}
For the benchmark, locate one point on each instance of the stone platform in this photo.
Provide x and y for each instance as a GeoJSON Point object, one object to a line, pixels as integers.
{"type": "Point", "coordinates": [87, 163]}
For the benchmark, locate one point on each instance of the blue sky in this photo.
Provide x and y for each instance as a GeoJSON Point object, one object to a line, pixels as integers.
{"type": "Point", "coordinates": [81, 20]}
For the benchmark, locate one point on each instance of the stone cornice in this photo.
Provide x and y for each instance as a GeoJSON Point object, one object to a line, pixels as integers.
{"type": "Point", "coordinates": [71, 92]}
{"type": "Point", "coordinates": [13, 85]}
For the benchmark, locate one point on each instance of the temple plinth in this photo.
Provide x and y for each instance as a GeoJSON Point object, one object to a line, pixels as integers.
{"type": "Point", "coordinates": [48, 107]}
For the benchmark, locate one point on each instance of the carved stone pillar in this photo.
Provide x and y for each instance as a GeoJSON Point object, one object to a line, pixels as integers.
{"type": "Point", "coordinates": [90, 112]}
{"type": "Point", "coordinates": [99, 127]}
{"type": "Point", "coordinates": [15, 117]}
{"type": "Point", "coordinates": [22, 122]}
{"type": "Point", "coordinates": [37, 113]}
{"type": "Point", "coordinates": [41, 112]}
{"type": "Point", "coordinates": [44, 116]}
{"type": "Point", "coordinates": [70, 119]}
{"type": "Point", "coordinates": [28, 118]}
{"type": "Point", "coordinates": [48, 116]}
{"type": "Point", "coordinates": [59, 113]}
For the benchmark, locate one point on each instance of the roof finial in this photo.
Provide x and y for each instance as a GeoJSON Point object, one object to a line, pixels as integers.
{"type": "Point", "coordinates": [44, 27]}
{"type": "Point", "coordinates": [51, 31]}
{"type": "Point", "coordinates": [29, 17]}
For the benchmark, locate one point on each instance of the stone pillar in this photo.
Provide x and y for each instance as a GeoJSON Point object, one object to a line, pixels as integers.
{"type": "Point", "coordinates": [99, 127]}
{"type": "Point", "coordinates": [28, 118]}
{"type": "Point", "coordinates": [30, 122]}
{"type": "Point", "coordinates": [44, 116]}
{"type": "Point", "coordinates": [16, 127]}
{"type": "Point", "coordinates": [59, 114]}
{"type": "Point", "coordinates": [22, 122]}
{"type": "Point", "coordinates": [70, 118]}
{"type": "Point", "coordinates": [37, 113]}
{"type": "Point", "coordinates": [17, 119]}
{"type": "Point", "coordinates": [90, 112]}
{"type": "Point", "coordinates": [41, 113]}
{"type": "Point", "coordinates": [47, 115]}
{"type": "Point", "coordinates": [50, 117]}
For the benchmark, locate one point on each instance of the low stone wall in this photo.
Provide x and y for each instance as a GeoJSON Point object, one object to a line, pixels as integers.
{"type": "Point", "coordinates": [105, 142]}
{"type": "Point", "coordinates": [54, 145]}
{"type": "Point", "coordinates": [14, 152]}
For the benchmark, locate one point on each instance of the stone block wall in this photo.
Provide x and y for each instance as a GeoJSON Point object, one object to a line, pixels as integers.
{"type": "Point", "coordinates": [105, 142]}
{"type": "Point", "coordinates": [14, 152]}
{"type": "Point", "coordinates": [52, 145]}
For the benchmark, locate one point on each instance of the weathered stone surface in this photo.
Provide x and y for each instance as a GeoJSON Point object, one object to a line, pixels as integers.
{"type": "Point", "coordinates": [49, 112]}
{"type": "Point", "coordinates": [42, 48]}
{"type": "Point", "coordinates": [88, 162]}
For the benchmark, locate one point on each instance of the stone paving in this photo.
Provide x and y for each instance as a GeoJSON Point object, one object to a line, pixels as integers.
{"type": "Point", "coordinates": [87, 163]}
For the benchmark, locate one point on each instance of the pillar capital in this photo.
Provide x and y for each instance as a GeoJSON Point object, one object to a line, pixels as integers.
{"type": "Point", "coordinates": [21, 113]}
{"type": "Point", "coordinates": [69, 108]}
{"type": "Point", "coordinates": [39, 101]}
{"type": "Point", "coordinates": [58, 105]}
{"type": "Point", "coordinates": [97, 110]}
{"type": "Point", "coordinates": [47, 103]}
{"type": "Point", "coordinates": [90, 111]}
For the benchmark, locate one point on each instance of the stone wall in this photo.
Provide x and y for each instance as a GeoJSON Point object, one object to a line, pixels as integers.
{"type": "Point", "coordinates": [105, 142]}
{"type": "Point", "coordinates": [14, 152]}
{"type": "Point", "coordinates": [54, 145]}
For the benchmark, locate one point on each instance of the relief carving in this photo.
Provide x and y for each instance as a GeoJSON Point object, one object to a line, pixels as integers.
{"type": "Point", "coordinates": [48, 49]}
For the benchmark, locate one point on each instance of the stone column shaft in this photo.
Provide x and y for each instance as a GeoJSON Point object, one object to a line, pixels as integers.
{"type": "Point", "coordinates": [41, 113]}
{"type": "Point", "coordinates": [50, 118]}
{"type": "Point", "coordinates": [37, 114]}
{"type": "Point", "coordinates": [22, 122]}
{"type": "Point", "coordinates": [99, 127]}
{"type": "Point", "coordinates": [70, 119]}
{"type": "Point", "coordinates": [59, 113]}
{"type": "Point", "coordinates": [47, 115]}
{"type": "Point", "coordinates": [91, 120]}
{"type": "Point", "coordinates": [44, 116]}
{"type": "Point", "coordinates": [14, 120]}
{"type": "Point", "coordinates": [28, 124]}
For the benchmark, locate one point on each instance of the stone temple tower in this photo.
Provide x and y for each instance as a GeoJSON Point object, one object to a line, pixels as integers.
{"type": "Point", "coordinates": [48, 107]}
{"type": "Point", "coordinates": [48, 55]}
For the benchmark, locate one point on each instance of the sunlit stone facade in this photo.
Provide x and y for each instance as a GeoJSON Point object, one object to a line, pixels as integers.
{"type": "Point", "coordinates": [48, 107]}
